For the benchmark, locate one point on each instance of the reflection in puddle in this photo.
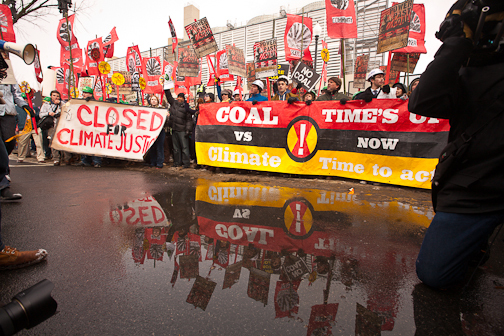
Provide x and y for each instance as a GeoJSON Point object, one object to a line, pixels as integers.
{"type": "Point", "coordinates": [326, 260]}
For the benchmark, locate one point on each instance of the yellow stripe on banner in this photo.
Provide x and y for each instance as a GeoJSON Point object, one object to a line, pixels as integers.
{"type": "Point", "coordinates": [405, 171]}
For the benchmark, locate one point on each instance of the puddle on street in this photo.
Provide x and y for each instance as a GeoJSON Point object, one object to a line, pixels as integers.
{"type": "Point", "coordinates": [271, 260]}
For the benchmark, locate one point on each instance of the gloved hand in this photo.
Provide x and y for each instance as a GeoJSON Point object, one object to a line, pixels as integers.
{"type": "Point", "coordinates": [367, 96]}
{"type": "Point", "coordinates": [299, 86]}
{"type": "Point", "coordinates": [29, 110]}
{"type": "Point", "coordinates": [292, 100]}
{"type": "Point", "coordinates": [452, 26]}
{"type": "Point", "coordinates": [386, 88]}
{"type": "Point", "coordinates": [254, 102]}
{"type": "Point", "coordinates": [308, 102]}
{"type": "Point", "coordinates": [343, 101]}
{"type": "Point", "coordinates": [88, 98]}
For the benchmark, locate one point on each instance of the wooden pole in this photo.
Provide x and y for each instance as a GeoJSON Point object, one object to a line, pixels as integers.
{"type": "Point", "coordinates": [342, 45]}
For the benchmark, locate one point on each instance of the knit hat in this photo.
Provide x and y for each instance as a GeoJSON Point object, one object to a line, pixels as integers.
{"type": "Point", "coordinates": [181, 95]}
{"type": "Point", "coordinates": [400, 86]}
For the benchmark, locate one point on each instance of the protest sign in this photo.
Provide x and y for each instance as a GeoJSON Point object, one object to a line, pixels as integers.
{"type": "Point", "coordinates": [152, 71]}
{"type": "Point", "coordinates": [361, 66]}
{"type": "Point", "coordinates": [85, 81]}
{"type": "Point", "coordinates": [258, 285]}
{"type": "Point", "coordinates": [286, 298]}
{"type": "Point", "coordinates": [283, 70]}
{"type": "Point", "coordinates": [393, 76]}
{"type": "Point", "coordinates": [298, 34]}
{"type": "Point", "coordinates": [250, 74]}
{"type": "Point", "coordinates": [108, 43]}
{"type": "Point", "coordinates": [236, 61]}
{"type": "Point", "coordinates": [78, 62]}
{"type": "Point", "coordinates": [265, 58]}
{"type": "Point", "coordinates": [340, 18]}
{"type": "Point", "coordinates": [187, 62]}
{"type": "Point", "coordinates": [394, 27]}
{"type": "Point", "coordinates": [201, 292]}
{"type": "Point", "coordinates": [169, 73]}
{"type": "Point", "coordinates": [400, 62]}
{"type": "Point", "coordinates": [94, 55]}
{"type": "Point", "coordinates": [63, 30]}
{"type": "Point", "coordinates": [379, 141]}
{"type": "Point", "coordinates": [189, 266]}
{"type": "Point", "coordinates": [416, 37]}
{"type": "Point", "coordinates": [223, 66]}
{"type": "Point", "coordinates": [201, 37]}
{"type": "Point", "coordinates": [106, 129]}
{"type": "Point", "coordinates": [305, 75]}
{"type": "Point", "coordinates": [134, 61]}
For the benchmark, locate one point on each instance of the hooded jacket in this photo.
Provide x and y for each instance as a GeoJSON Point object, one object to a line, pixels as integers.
{"type": "Point", "coordinates": [180, 119]}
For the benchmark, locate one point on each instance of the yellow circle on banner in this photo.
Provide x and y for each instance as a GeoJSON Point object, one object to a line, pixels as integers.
{"type": "Point", "coordinates": [109, 88]}
{"type": "Point", "coordinates": [324, 53]}
{"type": "Point", "coordinates": [142, 83]}
{"type": "Point", "coordinates": [25, 87]}
{"type": "Point", "coordinates": [118, 79]}
{"type": "Point", "coordinates": [104, 67]}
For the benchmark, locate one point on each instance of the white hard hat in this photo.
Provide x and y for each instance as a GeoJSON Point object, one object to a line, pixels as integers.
{"type": "Point", "coordinates": [284, 78]}
{"type": "Point", "coordinates": [236, 92]}
{"type": "Point", "coordinates": [258, 83]}
{"type": "Point", "coordinates": [375, 72]}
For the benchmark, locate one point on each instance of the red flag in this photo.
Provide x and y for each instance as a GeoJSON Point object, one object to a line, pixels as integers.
{"type": "Point", "coordinates": [286, 298]}
{"type": "Point", "coordinates": [108, 43]}
{"type": "Point", "coordinates": [416, 37]}
{"type": "Point", "coordinates": [138, 57]}
{"type": "Point", "coordinates": [174, 36]}
{"type": "Point", "coordinates": [6, 25]}
{"type": "Point", "coordinates": [63, 79]}
{"type": "Point", "coordinates": [223, 66]}
{"type": "Point", "coordinates": [38, 67]}
{"type": "Point", "coordinates": [76, 56]}
{"type": "Point", "coordinates": [62, 32]}
{"type": "Point", "coordinates": [94, 55]}
{"type": "Point", "coordinates": [341, 20]}
{"type": "Point", "coordinates": [295, 36]}
{"type": "Point", "coordinates": [211, 69]}
{"type": "Point", "coordinates": [151, 69]}
{"type": "Point", "coordinates": [239, 84]}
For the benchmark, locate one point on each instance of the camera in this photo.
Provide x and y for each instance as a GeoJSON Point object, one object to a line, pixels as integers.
{"type": "Point", "coordinates": [28, 308]}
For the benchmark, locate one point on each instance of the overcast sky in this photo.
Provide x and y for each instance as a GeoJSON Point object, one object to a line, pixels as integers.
{"type": "Point", "coordinates": [145, 23]}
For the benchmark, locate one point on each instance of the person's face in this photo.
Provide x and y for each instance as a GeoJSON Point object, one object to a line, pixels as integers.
{"type": "Point", "coordinates": [55, 97]}
{"type": "Point", "coordinates": [154, 101]}
{"type": "Point", "coordinates": [399, 92]}
{"type": "Point", "coordinates": [237, 98]}
{"type": "Point", "coordinates": [254, 89]}
{"type": "Point", "coordinates": [332, 86]}
{"type": "Point", "coordinates": [180, 99]}
{"type": "Point", "coordinates": [282, 86]}
{"type": "Point", "coordinates": [378, 80]}
{"type": "Point", "coordinates": [207, 99]}
{"type": "Point", "coordinates": [225, 96]}
{"type": "Point", "coordinates": [414, 85]}
{"type": "Point", "coordinates": [308, 97]}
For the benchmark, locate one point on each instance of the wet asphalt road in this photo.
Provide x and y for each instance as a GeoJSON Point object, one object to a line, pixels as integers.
{"type": "Point", "coordinates": [139, 252]}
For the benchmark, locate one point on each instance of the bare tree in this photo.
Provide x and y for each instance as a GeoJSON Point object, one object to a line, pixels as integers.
{"type": "Point", "coordinates": [24, 9]}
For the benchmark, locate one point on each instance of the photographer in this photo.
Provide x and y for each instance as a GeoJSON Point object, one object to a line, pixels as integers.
{"type": "Point", "coordinates": [464, 84]}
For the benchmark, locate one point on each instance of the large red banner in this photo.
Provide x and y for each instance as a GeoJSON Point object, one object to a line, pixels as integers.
{"type": "Point", "coordinates": [341, 19]}
{"type": "Point", "coordinates": [63, 31]}
{"type": "Point", "coordinates": [298, 34]}
{"type": "Point", "coordinates": [6, 25]}
{"type": "Point", "coordinates": [94, 55]}
{"type": "Point", "coordinates": [416, 37]}
{"type": "Point", "coordinates": [151, 69]}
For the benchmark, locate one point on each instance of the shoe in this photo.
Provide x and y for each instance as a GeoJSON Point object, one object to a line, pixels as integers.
{"type": "Point", "coordinates": [8, 178]}
{"type": "Point", "coordinates": [11, 258]}
{"type": "Point", "coordinates": [56, 163]}
{"type": "Point", "coordinates": [65, 163]}
{"type": "Point", "coordinates": [20, 161]}
{"type": "Point", "coordinates": [176, 165]}
{"type": "Point", "coordinates": [42, 161]}
{"type": "Point", "coordinates": [185, 167]}
{"type": "Point", "coordinates": [7, 195]}
{"type": "Point", "coordinates": [97, 165]}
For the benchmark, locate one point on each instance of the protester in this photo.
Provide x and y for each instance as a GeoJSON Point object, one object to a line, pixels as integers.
{"type": "Point", "coordinates": [309, 96]}
{"type": "Point", "coordinates": [413, 85]}
{"type": "Point", "coordinates": [464, 84]}
{"type": "Point", "coordinates": [11, 258]}
{"type": "Point", "coordinates": [400, 91]}
{"type": "Point", "coordinates": [255, 92]}
{"type": "Point", "coordinates": [283, 94]}
{"type": "Point", "coordinates": [377, 89]}
{"type": "Point", "coordinates": [226, 96]}
{"type": "Point", "coordinates": [180, 121]}
{"type": "Point", "coordinates": [209, 97]}
{"type": "Point", "coordinates": [45, 139]}
{"type": "Point", "coordinates": [24, 141]}
{"type": "Point", "coordinates": [157, 148]}
{"type": "Point", "coordinates": [236, 95]}
{"type": "Point", "coordinates": [87, 160]}
{"type": "Point", "coordinates": [332, 91]}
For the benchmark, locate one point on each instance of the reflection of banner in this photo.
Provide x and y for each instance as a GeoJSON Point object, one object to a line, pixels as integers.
{"type": "Point", "coordinates": [201, 292]}
{"type": "Point", "coordinates": [340, 18]}
{"type": "Point", "coordinates": [232, 275]}
{"type": "Point", "coordinates": [201, 37]}
{"type": "Point", "coordinates": [286, 298]}
{"type": "Point", "coordinates": [236, 61]}
{"type": "Point", "coordinates": [297, 37]}
{"type": "Point", "coordinates": [416, 37]}
{"type": "Point", "coordinates": [394, 27]}
{"type": "Point", "coordinates": [400, 62]}
{"type": "Point", "coordinates": [258, 285]}
{"type": "Point", "coordinates": [380, 141]}
{"type": "Point", "coordinates": [265, 58]}
{"type": "Point", "coordinates": [187, 62]}
{"type": "Point", "coordinates": [144, 211]}
{"type": "Point", "coordinates": [361, 65]}
{"type": "Point", "coordinates": [321, 319]}
{"type": "Point", "coordinates": [189, 266]}
{"type": "Point", "coordinates": [104, 129]}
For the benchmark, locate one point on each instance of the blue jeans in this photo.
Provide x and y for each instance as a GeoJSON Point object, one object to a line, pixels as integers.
{"type": "Point", "coordinates": [451, 241]}
{"type": "Point", "coordinates": [157, 151]}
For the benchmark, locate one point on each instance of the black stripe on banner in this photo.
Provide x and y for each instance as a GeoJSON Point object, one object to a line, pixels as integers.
{"type": "Point", "coordinates": [404, 144]}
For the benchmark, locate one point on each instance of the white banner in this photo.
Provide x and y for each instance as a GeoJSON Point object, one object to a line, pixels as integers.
{"type": "Point", "coordinates": [107, 129]}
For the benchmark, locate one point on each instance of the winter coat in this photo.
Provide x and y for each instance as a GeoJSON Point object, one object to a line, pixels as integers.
{"type": "Point", "coordinates": [333, 96]}
{"type": "Point", "coordinates": [257, 97]}
{"type": "Point", "coordinates": [462, 95]}
{"type": "Point", "coordinates": [180, 119]}
{"type": "Point", "coordinates": [285, 96]}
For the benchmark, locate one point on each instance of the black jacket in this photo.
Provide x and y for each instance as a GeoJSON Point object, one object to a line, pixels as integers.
{"type": "Point", "coordinates": [180, 119]}
{"type": "Point", "coordinates": [462, 94]}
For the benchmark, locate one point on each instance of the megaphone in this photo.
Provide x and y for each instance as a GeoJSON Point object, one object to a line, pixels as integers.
{"type": "Point", "coordinates": [26, 52]}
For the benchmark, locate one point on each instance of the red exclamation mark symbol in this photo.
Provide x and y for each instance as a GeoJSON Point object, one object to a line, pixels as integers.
{"type": "Point", "coordinates": [302, 131]}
